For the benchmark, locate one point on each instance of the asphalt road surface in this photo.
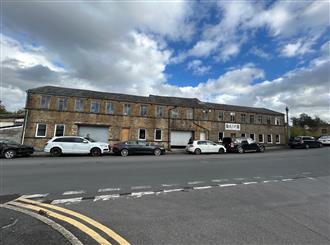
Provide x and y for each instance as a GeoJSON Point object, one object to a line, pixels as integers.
{"type": "Point", "coordinates": [277, 197]}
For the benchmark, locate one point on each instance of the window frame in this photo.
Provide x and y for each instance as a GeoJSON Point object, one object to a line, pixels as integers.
{"type": "Point", "coordinates": [222, 118]}
{"type": "Point", "coordinates": [55, 130]}
{"type": "Point", "coordinates": [37, 129]}
{"type": "Point", "coordinates": [243, 116]}
{"type": "Point", "coordinates": [48, 102]}
{"type": "Point", "coordinates": [159, 111]}
{"type": "Point", "coordinates": [259, 119]}
{"type": "Point", "coordinates": [190, 114]}
{"type": "Point", "coordinates": [112, 111]}
{"type": "Point", "coordinates": [254, 136]}
{"type": "Point", "coordinates": [232, 117]}
{"type": "Point", "coordinates": [145, 134]}
{"type": "Point", "coordinates": [271, 138]}
{"type": "Point", "coordinates": [263, 138]}
{"type": "Point", "coordinates": [98, 107]}
{"type": "Point", "coordinates": [279, 139]}
{"type": "Point", "coordinates": [128, 106]}
{"type": "Point", "coordinates": [65, 101]}
{"type": "Point", "coordinates": [146, 110]}
{"type": "Point", "coordinates": [176, 110]}
{"type": "Point", "coordinates": [223, 135]}
{"type": "Point", "coordinates": [252, 121]}
{"type": "Point", "coordinates": [161, 134]}
{"type": "Point", "coordinates": [82, 105]}
{"type": "Point", "coordinates": [205, 115]}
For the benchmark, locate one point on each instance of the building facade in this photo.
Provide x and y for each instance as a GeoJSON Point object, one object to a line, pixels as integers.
{"type": "Point", "coordinates": [172, 121]}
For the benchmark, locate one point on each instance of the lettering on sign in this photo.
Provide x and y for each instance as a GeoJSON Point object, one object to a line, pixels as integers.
{"type": "Point", "coordinates": [232, 126]}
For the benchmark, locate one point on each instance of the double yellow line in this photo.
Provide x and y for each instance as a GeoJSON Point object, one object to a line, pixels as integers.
{"type": "Point", "coordinates": [48, 210]}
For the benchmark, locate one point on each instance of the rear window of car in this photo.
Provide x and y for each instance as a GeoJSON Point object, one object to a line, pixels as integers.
{"type": "Point", "coordinates": [201, 142]}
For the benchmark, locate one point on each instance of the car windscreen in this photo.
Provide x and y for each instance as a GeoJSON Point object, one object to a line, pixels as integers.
{"type": "Point", "coordinates": [90, 139]}
{"type": "Point", "coordinates": [11, 142]}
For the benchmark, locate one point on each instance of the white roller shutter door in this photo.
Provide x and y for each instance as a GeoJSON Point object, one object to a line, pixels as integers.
{"type": "Point", "coordinates": [180, 138]}
{"type": "Point", "coordinates": [96, 133]}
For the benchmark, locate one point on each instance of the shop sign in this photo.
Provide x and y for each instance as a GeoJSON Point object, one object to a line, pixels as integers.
{"type": "Point", "coordinates": [232, 126]}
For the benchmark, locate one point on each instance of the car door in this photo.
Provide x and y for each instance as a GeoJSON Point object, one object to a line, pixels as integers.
{"type": "Point", "coordinates": [66, 144]}
{"type": "Point", "coordinates": [202, 145]}
{"type": "Point", "coordinates": [212, 147]}
{"type": "Point", "coordinates": [81, 145]}
{"type": "Point", "coordinates": [245, 145]}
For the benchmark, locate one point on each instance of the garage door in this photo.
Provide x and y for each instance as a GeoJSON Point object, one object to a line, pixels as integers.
{"type": "Point", "coordinates": [180, 138]}
{"type": "Point", "coordinates": [96, 133]}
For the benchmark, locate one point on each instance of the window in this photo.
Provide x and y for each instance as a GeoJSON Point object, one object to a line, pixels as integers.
{"type": "Point", "coordinates": [251, 118]}
{"type": "Point", "coordinates": [324, 130]}
{"type": "Point", "coordinates": [243, 118]}
{"type": "Point", "coordinates": [201, 142]}
{"type": "Point", "coordinates": [277, 121]}
{"type": "Point", "coordinates": [143, 110]}
{"type": "Point", "coordinates": [79, 105]}
{"type": "Point", "coordinates": [127, 109]}
{"type": "Point", "coordinates": [142, 134]}
{"type": "Point", "coordinates": [243, 135]}
{"type": "Point", "coordinates": [277, 139]}
{"type": "Point", "coordinates": [41, 130]}
{"type": "Point", "coordinates": [252, 136]}
{"type": "Point", "coordinates": [159, 111]}
{"type": "Point", "coordinates": [268, 119]}
{"type": "Point", "coordinates": [59, 130]}
{"type": "Point", "coordinates": [269, 138]}
{"type": "Point", "coordinates": [189, 113]}
{"type": "Point", "coordinates": [260, 119]}
{"type": "Point", "coordinates": [261, 138]}
{"type": "Point", "coordinates": [220, 136]}
{"type": "Point", "coordinates": [109, 108]}
{"type": "Point", "coordinates": [174, 113]}
{"type": "Point", "coordinates": [158, 134]}
{"type": "Point", "coordinates": [221, 116]}
{"type": "Point", "coordinates": [232, 116]}
{"type": "Point", "coordinates": [45, 101]}
{"type": "Point", "coordinates": [95, 106]}
{"type": "Point", "coordinates": [205, 115]}
{"type": "Point", "coordinates": [62, 104]}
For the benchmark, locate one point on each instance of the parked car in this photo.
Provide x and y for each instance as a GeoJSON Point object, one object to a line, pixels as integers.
{"type": "Point", "coordinates": [137, 147]}
{"type": "Point", "coordinates": [305, 142]}
{"type": "Point", "coordinates": [204, 146]}
{"type": "Point", "coordinates": [325, 140]}
{"type": "Point", "coordinates": [75, 145]}
{"type": "Point", "coordinates": [242, 145]}
{"type": "Point", "coordinates": [10, 149]}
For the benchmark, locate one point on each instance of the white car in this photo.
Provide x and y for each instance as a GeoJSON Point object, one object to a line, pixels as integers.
{"type": "Point", "coordinates": [75, 145]}
{"type": "Point", "coordinates": [205, 146]}
{"type": "Point", "coordinates": [325, 140]}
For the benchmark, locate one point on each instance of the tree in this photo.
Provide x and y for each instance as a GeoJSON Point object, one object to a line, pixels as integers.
{"type": "Point", "coordinates": [2, 108]}
{"type": "Point", "coordinates": [306, 120]}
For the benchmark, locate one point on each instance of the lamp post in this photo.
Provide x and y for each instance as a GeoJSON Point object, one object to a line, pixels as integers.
{"type": "Point", "coordinates": [169, 127]}
{"type": "Point", "coordinates": [287, 122]}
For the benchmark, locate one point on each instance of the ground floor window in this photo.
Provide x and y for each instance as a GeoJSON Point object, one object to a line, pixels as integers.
{"type": "Point", "coordinates": [142, 134]}
{"type": "Point", "coordinates": [41, 130]}
{"type": "Point", "coordinates": [243, 135]}
{"type": "Point", "coordinates": [158, 134]}
{"type": "Point", "coordinates": [261, 138]}
{"type": "Point", "coordinates": [277, 139]}
{"type": "Point", "coordinates": [59, 130]}
{"type": "Point", "coordinates": [232, 134]}
{"type": "Point", "coordinates": [269, 138]}
{"type": "Point", "coordinates": [220, 136]}
{"type": "Point", "coordinates": [252, 136]}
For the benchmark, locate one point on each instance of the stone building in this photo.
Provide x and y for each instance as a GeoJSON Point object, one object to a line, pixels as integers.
{"type": "Point", "coordinates": [111, 117]}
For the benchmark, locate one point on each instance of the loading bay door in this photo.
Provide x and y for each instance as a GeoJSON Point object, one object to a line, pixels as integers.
{"type": "Point", "coordinates": [96, 133]}
{"type": "Point", "coordinates": [180, 138]}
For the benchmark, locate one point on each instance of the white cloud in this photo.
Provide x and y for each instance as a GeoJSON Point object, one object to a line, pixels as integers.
{"type": "Point", "coordinates": [197, 67]}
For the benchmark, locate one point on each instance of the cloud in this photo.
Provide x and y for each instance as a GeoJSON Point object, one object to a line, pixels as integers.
{"type": "Point", "coordinates": [196, 66]}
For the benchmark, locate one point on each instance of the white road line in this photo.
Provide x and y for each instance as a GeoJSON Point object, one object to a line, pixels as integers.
{"type": "Point", "coordinates": [73, 192]}
{"type": "Point", "coordinates": [249, 183]}
{"type": "Point", "coordinates": [168, 185]}
{"type": "Point", "coordinates": [142, 193]}
{"type": "Point", "coordinates": [305, 173]}
{"type": "Point", "coordinates": [173, 190]}
{"type": "Point", "coordinates": [310, 178]}
{"type": "Point", "coordinates": [257, 177]}
{"type": "Point", "coordinates": [286, 180]}
{"type": "Point", "coordinates": [277, 176]}
{"type": "Point", "coordinates": [35, 195]}
{"type": "Point", "coordinates": [106, 197]}
{"type": "Point", "coordinates": [269, 181]}
{"type": "Point", "coordinates": [195, 182]}
{"type": "Point", "coordinates": [225, 185]}
{"type": "Point", "coordinates": [239, 178]}
{"type": "Point", "coordinates": [202, 187]}
{"type": "Point", "coordinates": [69, 200]}
{"type": "Point", "coordinates": [219, 180]}
{"type": "Point", "coordinates": [140, 187]}
{"type": "Point", "coordinates": [108, 189]}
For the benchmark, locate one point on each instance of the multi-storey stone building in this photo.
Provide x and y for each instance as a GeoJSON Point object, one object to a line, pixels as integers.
{"type": "Point", "coordinates": [55, 111]}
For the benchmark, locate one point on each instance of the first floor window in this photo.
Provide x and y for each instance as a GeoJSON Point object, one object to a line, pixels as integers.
{"type": "Point", "coordinates": [221, 115]}
{"type": "Point", "coordinates": [220, 136]}
{"type": "Point", "coordinates": [59, 130]}
{"type": "Point", "coordinates": [189, 114]}
{"type": "Point", "coordinates": [79, 105]}
{"type": "Point", "coordinates": [205, 115]}
{"type": "Point", "coordinates": [251, 118]}
{"type": "Point", "coordinates": [277, 121]}
{"type": "Point", "coordinates": [41, 130]}
{"type": "Point", "coordinates": [127, 109]}
{"type": "Point", "coordinates": [260, 119]}
{"type": "Point", "coordinates": [174, 113]}
{"type": "Point", "coordinates": [269, 138]}
{"type": "Point", "coordinates": [109, 108]}
{"type": "Point", "coordinates": [62, 104]}
{"type": "Point", "coordinates": [268, 120]}
{"type": "Point", "coordinates": [142, 134]}
{"type": "Point", "coordinates": [45, 101]}
{"type": "Point", "coordinates": [159, 111]}
{"type": "Point", "coordinates": [143, 110]}
{"type": "Point", "coordinates": [232, 116]}
{"type": "Point", "coordinates": [252, 136]}
{"type": "Point", "coordinates": [277, 138]}
{"type": "Point", "coordinates": [95, 107]}
{"type": "Point", "coordinates": [243, 118]}
{"type": "Point", "coordinates": [158, 134]}
{"type": "Point", "coordinates": [261, 138]}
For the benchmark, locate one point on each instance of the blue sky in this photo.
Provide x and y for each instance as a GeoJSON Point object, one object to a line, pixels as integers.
{"type": "Point", "coordinates": [269, 54]}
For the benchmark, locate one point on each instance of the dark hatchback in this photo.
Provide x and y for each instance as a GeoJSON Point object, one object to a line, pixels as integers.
{"type": "Point", "coordinates": [137, 147]}
{"type": "Point", "coordinates": [10, 149]}
{"type": "Point", "coordinates": [305, 142]}
{"type": "Point", "coordinates": [242, 145]}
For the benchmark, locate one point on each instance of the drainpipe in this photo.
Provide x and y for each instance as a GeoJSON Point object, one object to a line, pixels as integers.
{"type": "Point", "coordinates": [287, 123]}
{"type": "Point", "coordinates": [169, 127]}
{"type": "Point", "coordinates": [25, 118]}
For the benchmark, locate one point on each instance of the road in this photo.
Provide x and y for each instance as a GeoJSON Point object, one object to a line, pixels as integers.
{"type": "Point", "coordinates": [276, 197]}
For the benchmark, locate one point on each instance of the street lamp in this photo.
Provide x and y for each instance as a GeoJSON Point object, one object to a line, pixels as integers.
{"type": "Point", "coordinates": [287, 122]}
{"type": "Point", "coordinates": [169, 127]}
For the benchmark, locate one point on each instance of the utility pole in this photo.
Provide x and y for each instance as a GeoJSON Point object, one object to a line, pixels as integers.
{"type": "Point", "coordinates": [287, 122]}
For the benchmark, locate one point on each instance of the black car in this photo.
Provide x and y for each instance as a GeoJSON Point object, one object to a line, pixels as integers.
{"type": "Point", "coordinates": [241, 145]}
{"type": "Point", "coordinates": [10, 149]}
{"type": "Point", "coordinates": [137, 147]}
{"type": "Point", "coordinates": [305, 142]}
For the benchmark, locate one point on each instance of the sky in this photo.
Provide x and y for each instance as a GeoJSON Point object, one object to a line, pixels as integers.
{"type": "Point", "coordinates": [269, 54]}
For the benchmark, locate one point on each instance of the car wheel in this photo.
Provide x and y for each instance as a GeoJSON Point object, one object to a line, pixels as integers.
{"type": "Point", "coordinates": [320, 145]}
{"type": "Point", "coordinates": [9, 154]}
{"type": "Point", "coordinates": [307, 146]}
{"type": "Point", "coordinates": [95, 152]}
{"type": "Point", "coordinates": [198, 151]}
{"type": "Point", "coordinates": [124, 152]}
{"type": "Point", "coordinates": [157, 152]}
{"type": "Point", "coordinates": [240, 150]}
{"type": "Point", "coordinates": [221, 151]}
{"type": "Point", "coordinates": [55, 152]}
{"type": "Point", "coordinates": [262, 149]}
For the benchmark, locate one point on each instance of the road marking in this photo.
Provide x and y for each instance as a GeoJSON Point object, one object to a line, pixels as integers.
{"type": "Point", "coordinates": [257, 177]}
{"type": "Point", "coordinates": [195, 182]}
{"type": "Point", "coordinates": [106, 197]}
{"type": "Point", "coordinates": [269, 181]}
{"type": "Point", "coordinates": [108, 189]}
{"type": "Point", "coordinates": [140, 187]}
{"type": "Point", "coordinates": [239, 178]}
{"type": "Point", "coordinates": [305, 173]}
{"type": "Point", "coordinates": [249, 183]}
{"type": "Point", "coordinates": [142, 193]}
{"type": "Point", "coordinates": [68, 200]}
{"type": "Point", "coordinates": [219, 180]}
{"type": "Point", "coordinates": [97, 237]}
{"type": "Point", "coordinates": [202, 187]}
{"type": "Point", "coordinates": [173, 190]}
{"type": "Point", "coordinates": [73, 192]}
{"type": "Point", "coordinates": [168, 185]}
{"type": "Point", "coordinates": [225, 185]}
{"type": "Point", "coordinates": [67, 234]}
{"type": "Point", "coordinates": [96, 224]}
{"type": "Point", "coordinates": [310, 178]}
{"type": "Point", "coordinates": [35, 195]}
{"type": "Point", "coordinates": [286, 180]}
